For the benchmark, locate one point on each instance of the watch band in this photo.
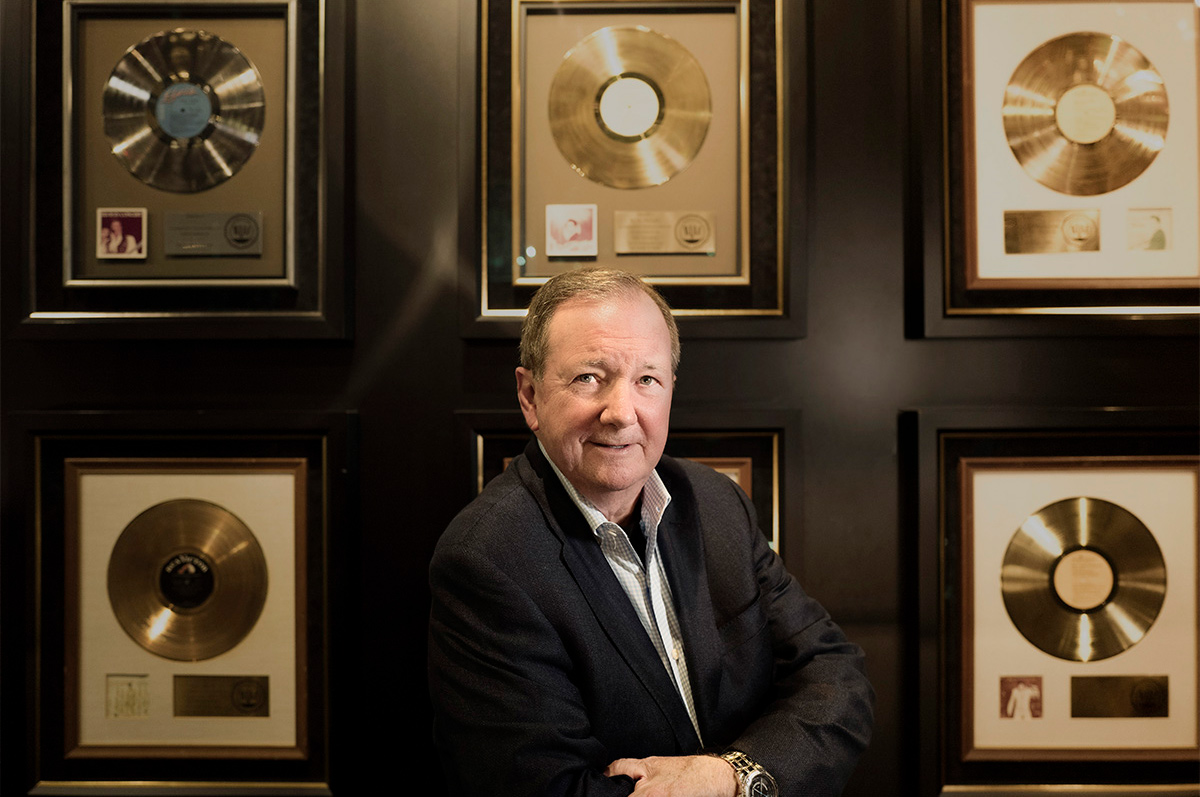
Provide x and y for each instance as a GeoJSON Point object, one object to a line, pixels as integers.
{"type": "Point", "coordinates": [753, 779]}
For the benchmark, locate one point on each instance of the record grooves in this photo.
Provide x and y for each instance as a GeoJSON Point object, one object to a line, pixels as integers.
{"type": "Point", "coordinates": [183, 110]}
{"type": "Point", "coordinates": [1085, 113]}
{"type": "Point", "coordinates": [629, 107]}
{"type": "Point", "coordinates": [187, 580]}
{"type": "Point", "coordinates": [1083, 579]}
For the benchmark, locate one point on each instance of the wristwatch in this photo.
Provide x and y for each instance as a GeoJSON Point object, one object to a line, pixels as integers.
{"type": "Point", "coordinates": [753, 780]}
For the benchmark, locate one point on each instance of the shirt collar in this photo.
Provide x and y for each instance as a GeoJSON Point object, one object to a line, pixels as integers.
{"type": "Point", "coordinates": [654, 500]}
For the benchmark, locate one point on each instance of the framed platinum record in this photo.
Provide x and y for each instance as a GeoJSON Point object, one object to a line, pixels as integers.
{"type": "Point", "coordinates": [192, 147]}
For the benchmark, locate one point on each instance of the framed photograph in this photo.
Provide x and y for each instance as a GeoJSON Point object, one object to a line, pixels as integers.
{"type": "Point", "coordinates": [182, 580]}
{"type": "Point", "coordinates": [1065, 197]}
{"type": "Point", "coordinates": [666, 119]}
{"type": "Point", "coordinates": [1062, 551]}
{"type": "Point", "coordinates": [751, 457]}
{"type": "Point", "coordinates": [120, 233]}
{"type": "Point", "coordinates": [187, 169]}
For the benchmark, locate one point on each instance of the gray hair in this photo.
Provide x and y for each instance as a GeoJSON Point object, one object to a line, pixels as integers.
{"type": "Point", "coordinates": [588, 283]}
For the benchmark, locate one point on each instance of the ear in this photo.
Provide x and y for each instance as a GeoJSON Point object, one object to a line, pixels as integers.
{"type": "Point", "coordinates": [527, 397]}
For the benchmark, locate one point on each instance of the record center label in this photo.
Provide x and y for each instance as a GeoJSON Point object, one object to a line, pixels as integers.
{"type": "Point", "coordinates": [186, 580]}
{"type": "Point", "coordinates": [664, 232]}
{"type": "Point", "coordinates": [209, 234]}
{"type": "Point", "coordinates": [629, 107]}
{"type": "Point", "coordinates": [1085, 113]}
{"type": "Point", "coordinates": [183, 110]}
{"type": "Point", "coordinates": [1083, 579]}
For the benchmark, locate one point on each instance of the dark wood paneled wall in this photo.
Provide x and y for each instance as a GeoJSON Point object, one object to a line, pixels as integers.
{"type": "Point", "coordinates": [408, 368]}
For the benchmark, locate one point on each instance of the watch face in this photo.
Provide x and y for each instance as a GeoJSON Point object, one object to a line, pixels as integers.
{"type": "Point", "coordinates": [761, 785]}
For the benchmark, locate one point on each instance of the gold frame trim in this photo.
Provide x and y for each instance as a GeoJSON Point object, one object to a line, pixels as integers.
{"type": "Point", "coordinates": [743, 11]}
{"type": "Point", "coordinates": [69, 158]}
{"type": "Point", "coordinates": [948, 306]}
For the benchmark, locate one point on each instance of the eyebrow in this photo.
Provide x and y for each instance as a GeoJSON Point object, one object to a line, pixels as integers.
{"type": "Point", "coordinates": [606, 365]}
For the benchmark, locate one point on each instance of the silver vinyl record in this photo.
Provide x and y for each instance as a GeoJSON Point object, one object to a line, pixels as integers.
{"type": "Point", "coordinates": [1083, 579]}
{"type": "Point", "coordinates": [187, 580]}
{"type": "Point", "coordinates": [629, 107]}
{"type": "Point", "coordinates": [183, 110]}
{"type": "Point", "coordinates": [1085, 113]}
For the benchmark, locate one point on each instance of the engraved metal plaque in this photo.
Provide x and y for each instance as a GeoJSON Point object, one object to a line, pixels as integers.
{"type": "Point", "coordinates": [1046, 231]}
{"type": "Point", "coordinates": [664, 232]}
{"type": "Point", "coordinates": [208, 234]}
{"type": "Point", "coordinates": [1119, 696]}
{"type": "Point", "coordinates": [222, 696]}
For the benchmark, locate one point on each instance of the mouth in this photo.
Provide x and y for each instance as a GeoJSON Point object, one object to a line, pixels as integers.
{"type": "Point", "coordinates": [612, 446]}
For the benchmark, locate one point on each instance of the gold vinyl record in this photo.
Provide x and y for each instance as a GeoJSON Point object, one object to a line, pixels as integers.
{"type": "Point", "coordinates": [1085, 113]}
{"type": "Point", "coordinates": [1083, 579]}
{"type": "Point", "coordinates": [187, 580]}
{"type": "Point", "coordinates": [629, 107]}
{"type": "Point", "coordinates": [183, 110]}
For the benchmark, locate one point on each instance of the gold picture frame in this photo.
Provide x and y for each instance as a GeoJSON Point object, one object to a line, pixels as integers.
{"type": "Point", "coordinates": [518, 200]}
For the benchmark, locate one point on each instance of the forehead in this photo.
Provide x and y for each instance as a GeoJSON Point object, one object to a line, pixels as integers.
{"type": "Point", "coordinates": [629, 323]}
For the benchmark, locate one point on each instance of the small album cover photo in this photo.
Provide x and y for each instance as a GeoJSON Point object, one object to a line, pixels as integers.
{"type": "Point", "coordinates": [1021, 697]}
{"type": "Point", "coordinates": [121, 233]}
{"type": "Point", "coordinates": [571, 231]}
{"type": "Point", "coordinates": [1149, 229]}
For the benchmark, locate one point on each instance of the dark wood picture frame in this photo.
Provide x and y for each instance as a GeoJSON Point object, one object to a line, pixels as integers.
{"type": "Point", "coordinates": [47, 450]}
{"type": "Point", "coordinates": [934, 443]}
{"type": "Point", "coordinates": [310, 301]}
{"type": "Point", "coordinates": [941, 300]}
{"type": "Point", "coordinates": [757, 449]}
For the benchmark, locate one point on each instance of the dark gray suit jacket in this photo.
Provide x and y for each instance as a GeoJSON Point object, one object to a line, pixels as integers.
{"type": "Point", "coordinates": [541, 674]}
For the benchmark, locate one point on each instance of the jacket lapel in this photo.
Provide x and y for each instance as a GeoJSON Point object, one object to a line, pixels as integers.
{"type": "Point", "coordinates": [681, 545]}
{"type": "Point", "coordinates": [584, 560]}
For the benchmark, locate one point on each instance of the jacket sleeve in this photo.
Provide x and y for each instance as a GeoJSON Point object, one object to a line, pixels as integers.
{"type": "Point", "coordinates": [817, 719]}
{"type": "Point", "coordinates": [507, 718]}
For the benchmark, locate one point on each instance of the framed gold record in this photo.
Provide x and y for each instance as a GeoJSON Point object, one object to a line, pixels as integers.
{"type": "Point", "coordinates": [1057, 574]}
{"type": "Point", "coordinates": [665, 123]}
{"type": "Point", "coordinates": [1069, 192]}
{"type": "Point", "coordinates": [1096, 579]}
{"type": "Point", "coordinates": [185, 570]}
{"type": "Point", "coordinates": [180, 600]}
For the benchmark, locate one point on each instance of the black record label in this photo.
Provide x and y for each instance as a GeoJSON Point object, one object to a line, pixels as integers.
{"type": "Point", "coordinates": [186, 580]}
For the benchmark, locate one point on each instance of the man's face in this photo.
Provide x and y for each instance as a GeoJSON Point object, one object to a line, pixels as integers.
{"type": "Point", "coordinates": [602, 407]}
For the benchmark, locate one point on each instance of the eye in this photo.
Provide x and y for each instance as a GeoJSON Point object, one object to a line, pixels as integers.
{"type": "Point", "coordinates": [586, 379]}
{"type": "Point", "coordinates": [648, 380]}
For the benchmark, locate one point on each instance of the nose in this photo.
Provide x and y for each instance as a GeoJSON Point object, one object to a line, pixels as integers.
{"type": "Point", "coordinates": [619, 406]}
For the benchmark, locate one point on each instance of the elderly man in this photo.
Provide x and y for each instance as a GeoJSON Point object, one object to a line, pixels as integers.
{"type": "Point", "coordinates": [606, 618]}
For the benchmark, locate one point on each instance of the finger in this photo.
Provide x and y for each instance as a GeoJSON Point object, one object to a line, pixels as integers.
{"type": "Point", "coordinates": [633, 767]}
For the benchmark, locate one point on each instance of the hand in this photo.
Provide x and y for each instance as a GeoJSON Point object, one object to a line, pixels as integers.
{"type": "Point", "coordinates": [678, 776]}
